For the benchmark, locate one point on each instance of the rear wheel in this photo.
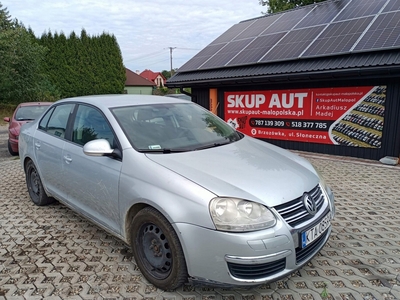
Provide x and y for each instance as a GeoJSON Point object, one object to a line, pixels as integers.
{"type": "Point", "coordinates": [157, 250]}
{"type": "Point", "coordinates": [35, 186]}
{"type": "Point", "coordinates": [12, 152]}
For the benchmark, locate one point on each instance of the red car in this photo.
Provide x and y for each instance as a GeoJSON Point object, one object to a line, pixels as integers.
{"type": "Point", "coordinates": [25, 112]}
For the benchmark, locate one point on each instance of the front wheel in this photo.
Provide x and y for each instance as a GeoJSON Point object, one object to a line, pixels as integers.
{"type": "Point", "coordinates": [35, 186]}
{"type": "Point", "coordinates": [157, 250]}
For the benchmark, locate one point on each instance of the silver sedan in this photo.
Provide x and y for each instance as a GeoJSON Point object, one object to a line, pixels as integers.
{"type": "Point", "coordinates": [196, 200]}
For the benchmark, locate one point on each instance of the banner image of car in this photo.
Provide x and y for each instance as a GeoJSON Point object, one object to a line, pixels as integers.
{"type": "Point", "coordinates": [349, 116]}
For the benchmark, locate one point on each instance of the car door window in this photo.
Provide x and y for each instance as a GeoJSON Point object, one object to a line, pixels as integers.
{"type": "Point", "coordinates": [55, 121]}
{"type": "Point", "coordinates": [45, 119]}
{"type": "Point", "coordinates": [90, 124]}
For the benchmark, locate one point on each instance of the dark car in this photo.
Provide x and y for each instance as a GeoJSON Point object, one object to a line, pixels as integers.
{"type": "Point", "coordinates": [25, 112]}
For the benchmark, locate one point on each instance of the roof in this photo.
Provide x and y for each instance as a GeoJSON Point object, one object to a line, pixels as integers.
{"type": "Point", "coordinates": [133, 79]}
{"type": "Point", "coordinates": [150, 75]}
{"type": "Point", "coordinates": [384, 63]}
{"type": "Point", "coordinates": [35, 103]}
{"type": "Point", "coordinates": [333, 35]}
{"type": "Point", "coordinates": [120, 100]}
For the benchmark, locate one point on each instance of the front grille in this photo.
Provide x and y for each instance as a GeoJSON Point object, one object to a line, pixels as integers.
{"type": "Point", "coordinates": [256, 271]}
{"type": "Point", "coordinates": [304, 253]}
{"type": "Point", "coordinates": [294, 212]}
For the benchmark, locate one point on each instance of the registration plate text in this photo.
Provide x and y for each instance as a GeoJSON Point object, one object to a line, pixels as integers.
{"type": "Point", "coordinates": [307, 237]}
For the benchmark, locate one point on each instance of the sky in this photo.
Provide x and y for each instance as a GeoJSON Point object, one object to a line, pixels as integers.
{"type": "Point", "coordinates": [145, 30]}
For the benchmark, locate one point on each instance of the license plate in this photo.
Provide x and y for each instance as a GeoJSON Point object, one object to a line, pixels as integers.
{"type": "Point", "coordinates": [307, 237]}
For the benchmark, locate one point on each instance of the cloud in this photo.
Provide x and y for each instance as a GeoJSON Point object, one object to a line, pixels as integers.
{"type": "Point", "coordinates": [144, 29]}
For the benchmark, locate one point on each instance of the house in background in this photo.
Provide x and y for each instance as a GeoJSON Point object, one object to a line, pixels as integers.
{"type": "Point", "coordinates": [136, 84]}
{"type": "Point", "coordinates": [156, 77]}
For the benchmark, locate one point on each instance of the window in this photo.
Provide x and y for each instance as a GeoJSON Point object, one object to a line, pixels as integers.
{"type": "Point", "coordinates": [90, 124]}
{"type": "Point", "coordinates": [29, 113]}
{"type": "Point", "coordinates": [55, 121]}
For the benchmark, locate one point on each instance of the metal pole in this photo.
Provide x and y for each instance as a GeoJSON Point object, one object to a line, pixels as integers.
{"type": "Point", "coordinates": [170, 56]}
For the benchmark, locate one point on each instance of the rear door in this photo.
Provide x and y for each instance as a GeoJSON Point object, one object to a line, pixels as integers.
{"type": "Point", "coordinates": [49, 141]}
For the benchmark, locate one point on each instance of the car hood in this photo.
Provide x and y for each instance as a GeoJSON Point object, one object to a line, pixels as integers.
{"type": "Point", "coordinates": [248, 169]}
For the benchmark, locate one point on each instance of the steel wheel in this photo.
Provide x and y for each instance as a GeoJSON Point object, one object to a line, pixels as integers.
{"type": "Point", "coordinates": [35, 187]}
{"type": "Point", "coordinates": [157, 250]}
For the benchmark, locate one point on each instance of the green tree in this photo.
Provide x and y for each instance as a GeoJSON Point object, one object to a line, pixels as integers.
{"type": "Point", "coordinates": [275, 6]}
{"type": "Point", "coordinates": [21, 73]}
{"type": "Point", "coordinates": [84, 65]}
{"type": "Point", "coordinates": [5, 19]}
{"type": "Point", "coordinates": [166, 74]}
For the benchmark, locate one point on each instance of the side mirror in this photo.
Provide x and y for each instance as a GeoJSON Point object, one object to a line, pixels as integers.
{"type": "Point", "coordinates": [98, 147]}
{"type": "Point", "coordinates": [6, 119]}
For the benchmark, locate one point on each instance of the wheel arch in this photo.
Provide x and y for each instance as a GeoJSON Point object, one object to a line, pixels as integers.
{"type": "Point", "coordinates": [132, 212]}
{"type": "Point", "coordinates": [25, 162]}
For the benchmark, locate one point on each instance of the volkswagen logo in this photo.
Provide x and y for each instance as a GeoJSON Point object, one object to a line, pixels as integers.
{"type": "Point", "coordinates": [309, 204]}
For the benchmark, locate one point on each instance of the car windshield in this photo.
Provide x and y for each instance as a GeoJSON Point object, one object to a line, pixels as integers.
{"type": "Point", "coordinates": [167, 128]}
{"type": "Point", "coordinates": [29, 113]}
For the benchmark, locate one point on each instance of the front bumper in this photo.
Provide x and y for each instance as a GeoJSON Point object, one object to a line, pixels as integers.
{"type": "Point", "coordinates": [246, 259]}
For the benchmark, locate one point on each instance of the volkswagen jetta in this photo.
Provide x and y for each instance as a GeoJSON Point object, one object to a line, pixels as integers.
{"type": "Point", "coordinates": [195, 199]}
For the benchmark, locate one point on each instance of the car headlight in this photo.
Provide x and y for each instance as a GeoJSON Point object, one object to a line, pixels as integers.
{"type": "Point", "coordinates": [231, 214]}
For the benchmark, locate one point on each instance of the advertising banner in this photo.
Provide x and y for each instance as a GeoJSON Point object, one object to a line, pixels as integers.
{"type": "Point", "coordinates": [350, 116]}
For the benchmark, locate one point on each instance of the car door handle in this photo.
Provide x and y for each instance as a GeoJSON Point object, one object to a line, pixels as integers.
{"type": "Point", "coordinates": [37, 145]}
{"type": "Point", "coordinates": [67, 159]}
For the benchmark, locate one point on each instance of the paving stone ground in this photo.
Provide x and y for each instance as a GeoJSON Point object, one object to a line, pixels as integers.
{"type": "Point", "coordinates": [52, 253]}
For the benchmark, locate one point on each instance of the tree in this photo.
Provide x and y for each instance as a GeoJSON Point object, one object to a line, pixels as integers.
{"type": "Point", "coordinates": [282, 5]}
{"type": "Point", "coordinates": [167, 74]}
{"type": "Point", "coordinates": [5, 19]}
{"type": "Point", "coordinates": [21, 74]}
{"type": "Point", "coordinates": [84, 65]}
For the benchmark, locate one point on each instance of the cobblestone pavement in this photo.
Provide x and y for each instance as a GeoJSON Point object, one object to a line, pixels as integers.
{"type": "Point", "coordinates": [4, 155]}
{"type": "Point", "coordinates": [52, 253]}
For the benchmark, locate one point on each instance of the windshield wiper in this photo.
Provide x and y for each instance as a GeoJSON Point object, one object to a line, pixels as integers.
{"type": "Point", "coordinates": [165, 150]}
{"type": "Point", "coordinates": [213, 145]}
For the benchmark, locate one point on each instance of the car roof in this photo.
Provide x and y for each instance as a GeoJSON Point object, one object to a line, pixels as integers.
{"type": "Point", "coordinates": [35, 103]}
{"type": "Point", "coordinates": [110, 101]}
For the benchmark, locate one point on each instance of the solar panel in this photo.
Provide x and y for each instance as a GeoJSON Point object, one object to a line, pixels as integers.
{"type": "Point", "coordinates": [322, 14]}
{"type": "Point", "coordinates": [338, 37]}
{"type": "Point", "coordinates": [326, 28]}
{"type": "Point", "coordinates": [225, 54]}
{"type": "Point", "coordinates": [232, 32]}
{"type": "Point", "coordinates": [256, 50]}
{"type": "Point", "coordinates": [384, 33]}
{"type": "Point", "coordinates": [393, 5]}
{"type": "Point", "coordinates": [288, 20]}
{"type": "Point", "coordinates": [257, 27]}
{"type": "Point", "coordinates": [360, 8]}
{"type": "Point", "coordinates": [293, 44]}
{"type": "Point", "coordinates": [201, 57]}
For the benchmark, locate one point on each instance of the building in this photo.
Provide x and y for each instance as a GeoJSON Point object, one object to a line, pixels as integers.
{"type": "Point", "coordinates": [320, 78]}
{"type": "Point", "coordinates": [156, 77]}
{"type": "Point", "coordinates": [136, 84]}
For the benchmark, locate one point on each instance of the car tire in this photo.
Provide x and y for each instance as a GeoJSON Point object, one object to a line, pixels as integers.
{"type": "Point", "coordinates": [35, 186]}
{"type": "Point", "coordinates": [10, 150]}
{"type": "Point", "coordinates": [157, 250]}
